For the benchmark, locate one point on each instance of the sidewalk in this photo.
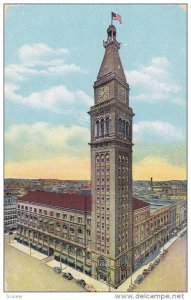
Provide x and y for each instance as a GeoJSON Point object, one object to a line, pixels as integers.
{"type": "Point", "coordinates": [99, 286]}
{"type": "Point", "coordinates": [102, 287]}
{"type": "Point", "coordinates": [27, 250]}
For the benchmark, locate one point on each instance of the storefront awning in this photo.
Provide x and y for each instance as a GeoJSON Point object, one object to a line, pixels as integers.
{"type": "Point", "coordinates": [51, 223]}
{"type": "Point", "coordinates": [17, 236]}
{"type": "Point", "coordinates": [79, 264]}
{"type": "Point", "coordinates": [21, 238]}
{"type": "Point", "coordinates": [87, 269]}
{"type": "Point", "coordinates": [39, 246]}
{"type": "Point", "coordinates": [25, 240]}
{"type": "Point", "coordinates": [44, 249]}
{"type": "Point", "coordinates": [40, 219]}
{"type": "Point", "coordinates": [45, 220]}
{"type": "Point", "coordinates": [56, 254]}
{"type": "Point", "coordinates": [71, 260]}
{"type": "Point", "coordinates": [34, 244]}
{"type": "Point", "coordinates": [64, 257]}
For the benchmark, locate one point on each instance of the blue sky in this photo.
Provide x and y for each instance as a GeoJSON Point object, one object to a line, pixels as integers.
{"type": "Point", "coordinates": [52, 58]}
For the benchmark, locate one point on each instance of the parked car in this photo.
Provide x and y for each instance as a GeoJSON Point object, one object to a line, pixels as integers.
{"type": "Point", "coordinates": [145, 272]}
{"type": "Point", "coordinates": [131, 288]}
{"type": "Point", "coordinates": [67, 276]}
{"type": "Point", "coordinates": [157, 261]}
{"type": "Point", "coordinates": [151, 267]}
{"type": "Point", "coordinates": [139, 279]}
{"type": "Point", "coordinates": [57, 270]}
{"type": "Point", "coordinates": [81, 282]}
{"type": "Point", "coordinates": [90, 288]}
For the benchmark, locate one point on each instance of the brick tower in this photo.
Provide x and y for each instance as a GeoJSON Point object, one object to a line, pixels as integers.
{"type": "Point", "coordinates": [111, 169]}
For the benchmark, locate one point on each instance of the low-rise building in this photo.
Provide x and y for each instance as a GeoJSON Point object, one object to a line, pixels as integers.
{"type": "Point", "coordinates": [61, 224]}
{"type": "Point", "coordinates": [57, 223]}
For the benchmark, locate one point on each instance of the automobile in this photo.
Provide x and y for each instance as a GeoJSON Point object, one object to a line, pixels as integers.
{"type": "Point", "coordinates": [67, 276]}
{"type": "Point", "coordinates": [139, 279]}
{"type": "Point", "coordinates": [90, 288]}
{"type": "Point", "coordinates": [151, 267]}
{"type": "Point", "coordinates": [81, 282]}
{"type": "Point", "coordinates": [131, 288]}
{"type": "Point", "coordinates": [145, 272]}
{"type": "Point", "coordinates": [57, 270]}
{"type": "Point", "coordinates": [157, 261]}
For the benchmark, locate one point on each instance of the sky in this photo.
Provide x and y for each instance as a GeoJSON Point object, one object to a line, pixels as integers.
{"type": "Point", "coordinates": [52, 55]}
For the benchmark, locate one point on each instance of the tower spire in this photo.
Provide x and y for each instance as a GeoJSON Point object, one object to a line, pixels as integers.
{"type": "Point", "coordinates": [111, 64]}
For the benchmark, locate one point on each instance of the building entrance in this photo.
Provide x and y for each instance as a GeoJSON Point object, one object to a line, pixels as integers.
{"type": "Point", "coordinates": [102, 277]}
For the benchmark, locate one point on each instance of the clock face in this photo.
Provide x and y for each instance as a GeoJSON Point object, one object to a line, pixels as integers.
{"type": "Point", "coordinates": [104, 93]}
{"type": "Point", "coordinates": [121, 93]}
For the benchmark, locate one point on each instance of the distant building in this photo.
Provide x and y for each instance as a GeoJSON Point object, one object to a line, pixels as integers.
{"type": "Point", "coordinates": [10, 212]}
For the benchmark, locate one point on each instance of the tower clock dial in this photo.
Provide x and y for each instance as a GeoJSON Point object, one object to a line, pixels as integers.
{"type": "Point", "coordinates": [121, 93]}
{"type": "Point", "coordinates": [104, 93]}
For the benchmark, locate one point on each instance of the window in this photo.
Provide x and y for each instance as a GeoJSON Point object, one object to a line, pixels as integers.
{"type": "Point", "coordinates": [58, 215]}
{"type": "Point", "coordinates": [64, 216]}
{"type": "Point", "coordinates": [72, 228]}
{"type": "Point", "coordinates": [40, 211]}
{"type": "Point", "coordinates": [79, 220]}
{"type": "Point", "coordinates": [97, 128]}
{"type": "Point", "coordinates": [26, 207]}
{"type": "Point", "coordinates": [102, 262]}
{"type": "Point", "coordinates": [88, 232]}
{"type": "Point", "coordinates": [102, 127]}
{"type": "Point", "coordinates": [51, 213]}
{"type": "Point", "coordinates": [45, 212]}
{"type": "Point", "coordinates": [71, 218]}
{"type": "Point", "coordinates": [30, 208]}
{"type": "Point", "coordinates": [107, 125]}
{"type": "Point", "coordinates": [65, 226]}
{"type": "Point", "coordinates": [57, 224]}
{"type": "Point", "coordinates": [89, 221]}
{"type": "Point", "coordinates": [80, 240]}
{"type": "Point", "coordinates": [80, 230]}
{"type": "Point", "coordinates": [35, 210]}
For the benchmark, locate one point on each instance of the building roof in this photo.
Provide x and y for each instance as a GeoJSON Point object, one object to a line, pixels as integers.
{"type": "Point", "coordinates": [139, 203]}
{"type": "Point", "coordinates": [71, 201]}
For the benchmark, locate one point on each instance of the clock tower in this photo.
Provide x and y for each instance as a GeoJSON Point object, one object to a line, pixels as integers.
{"type": "Point", "coordinates": [111, 169]}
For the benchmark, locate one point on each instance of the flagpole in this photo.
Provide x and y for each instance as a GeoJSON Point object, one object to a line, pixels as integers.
{"type": "Point", "coordinates": [111, 19]}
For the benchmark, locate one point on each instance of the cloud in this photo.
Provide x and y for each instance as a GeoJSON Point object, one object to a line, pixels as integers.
{"type": "Point", "coordinates": [56, 99]}
{"type": "Point", "coordinates": [152, 130]}
{"type": "Point", "coordinates": [155, 83]}
{"type": "Point", "coordinates": [32, 54]}
{"type": "Point", "coordinates": [40, 59]}
{"type": "Point", "coordinates": [40, 141]}
{"type": "Point", "coordinates": [158, 168]}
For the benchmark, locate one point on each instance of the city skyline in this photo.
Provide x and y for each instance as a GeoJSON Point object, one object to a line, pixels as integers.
{"type": "Point", "coordinates": [49, 73]}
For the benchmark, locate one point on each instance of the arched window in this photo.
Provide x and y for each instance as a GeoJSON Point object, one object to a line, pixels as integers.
{"type": "Point", "coordinates": [102, 127]}
{"type": "Point", "coordinates": [102, 262]}
{"type": "Point", "coordinates": [123, 127]}
{"type": "Point", "coordinates": [71, 249]}
{"type": "Point", "coordinates": [127, 129]}
{"type": "Point", "coordinates": [79, 252]}
{"type": "Point", "coordinates": [97, 129]}
{"type": "Point", "coordinates": [107, 125]}
{"type": "Point", "coordinates": [120, 125]}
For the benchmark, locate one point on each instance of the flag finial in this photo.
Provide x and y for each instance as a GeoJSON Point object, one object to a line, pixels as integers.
{"type": "Point", "coordinates": [116, 17]}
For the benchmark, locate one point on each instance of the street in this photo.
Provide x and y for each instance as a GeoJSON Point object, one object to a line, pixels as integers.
{"type": "Point", "coordinates": [171, 274]}
{"type": "Point", "coordinates": [34, 275]}
{"type": "Point", "coordinates": [24, 273]}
